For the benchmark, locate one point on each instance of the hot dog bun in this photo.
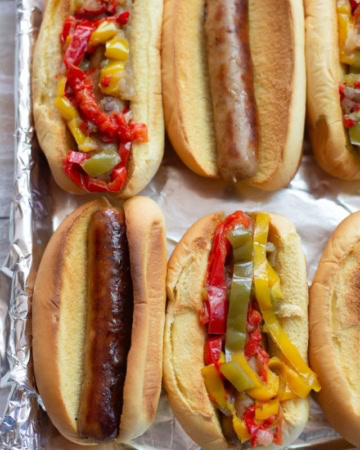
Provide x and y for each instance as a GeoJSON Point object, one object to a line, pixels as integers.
{"type": "Point", "coordinates": [53, 135]}
{"type": "Point", "coordinates": [330, 142]}
{"type": "Point", "coordinates": [185, 336]}
{"type": "Point", "coordinates": [59, 318]}
{"type": "Point", "coordinates": [334, 328]}
{"type": "Point", "coordinates": [277, 50]}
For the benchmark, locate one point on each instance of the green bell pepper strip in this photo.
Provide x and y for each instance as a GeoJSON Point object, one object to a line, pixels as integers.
{"type": "Point", "coordinates": [241, 240]}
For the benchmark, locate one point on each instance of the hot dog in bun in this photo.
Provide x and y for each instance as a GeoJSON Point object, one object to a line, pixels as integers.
{"type": "Point", "coordinates": [334, 328]}
{"type": "Point", "coordinates": [97, 104]}
{"type": "Point", "coordinates": [98, 319]}
{"type": "Point", "coordinates": [333, 85]}
{"type": "Point", "coordinates": [236, 332]}
{"type": "Point", "coordinates": [233, 76]}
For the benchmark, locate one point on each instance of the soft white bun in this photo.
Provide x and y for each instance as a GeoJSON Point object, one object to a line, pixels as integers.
{"type": "Point", "coordinates": [185, 336]}
{"type": "Point", "coordinates": [54, 137]}
{"type": "Point", "coordinates": [59, 318]}
{"type": "Point", "coordinates": [277, 51]}
{"type": "Point", "coordinates": [330, 142]}
{"type": "Point", "coordinates": [334, 329]}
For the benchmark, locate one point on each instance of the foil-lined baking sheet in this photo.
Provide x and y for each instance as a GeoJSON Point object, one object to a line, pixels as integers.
{"type": "Point", "coordinates": [314, 201]}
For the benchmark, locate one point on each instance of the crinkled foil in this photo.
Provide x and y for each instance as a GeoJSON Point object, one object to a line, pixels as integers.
{"type": "Point", "coordinates": [314, 201]}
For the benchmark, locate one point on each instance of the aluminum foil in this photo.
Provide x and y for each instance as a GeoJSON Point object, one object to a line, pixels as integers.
{"type": "Point", "coordinates": [314, 201]}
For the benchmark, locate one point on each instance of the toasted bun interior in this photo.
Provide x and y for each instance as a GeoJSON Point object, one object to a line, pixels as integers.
{"type": "Point", "coordinates": [148, 258]}
{"type": "Point", "coordinates": [330, 141]}
{"type": "Point", "coordinates": [60, 309]}
{"type": "Point", "coordinates": [277, 51]}
{"type": "Point", "coordinates": [185, 336]}
{"type": "Point", "coordinates": [335, 330]}
{"type": "Point", "coordinates": [53, 135]}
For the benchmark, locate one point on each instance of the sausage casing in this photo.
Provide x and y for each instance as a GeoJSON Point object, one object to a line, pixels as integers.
{"type": "Point", "coordinates": [232, 87]}
{"type": "Point", "coordinates": [109, 324]}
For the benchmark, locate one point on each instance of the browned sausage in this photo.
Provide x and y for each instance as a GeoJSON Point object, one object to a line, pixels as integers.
{"type": "Point", "coordinates": [232, 87]}
{"type": "Point", "coordinates": [109, 324]}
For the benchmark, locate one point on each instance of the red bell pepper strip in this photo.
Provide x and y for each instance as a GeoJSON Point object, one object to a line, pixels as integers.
{"type": "Point", "coordinates": [217, 303]}
{"type": "Point", "coordinates": [68, 28]}
{"type": "Point", "coordinates": [124, 152]}
{"type": "Point", "coordinates": [79, 42]}
{"type": "Point", "coordinates": [74, 170]}
{"type": "Point", "coordinates": [278, 432]}
{"type": "Point", "coordinates": [213, 347]}
{"type": "Point", "coordinates": [123, 18]}
{"type": "Point", "coordinates": [354, 5]}
{"type": "Point", "coordinates": [82, 86]}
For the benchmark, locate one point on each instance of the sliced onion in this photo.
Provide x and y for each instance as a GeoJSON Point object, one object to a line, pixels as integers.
{"type": "Point", "coordinates": [264, 437]}
{"type": "Point", "coordinates": [347, 105]}
{"type": "Point", "coordinates": [352, 41]}
{"type": "Point", "coordinates": [112, 104]}
{"type": "Point", "coordinates": [270, 247]}
{"type": "Point", "coordinates": [352, 93]}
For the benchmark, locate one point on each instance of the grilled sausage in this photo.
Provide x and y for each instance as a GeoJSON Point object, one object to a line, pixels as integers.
{"type": "Point", "coordinates": [232, 88]}
{"type": "Point", "coordinates": [110, 309]}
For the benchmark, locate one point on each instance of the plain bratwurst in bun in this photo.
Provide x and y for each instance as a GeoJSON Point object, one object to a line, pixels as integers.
{"type": "Point", "coordinates": [98, 320]}
{"type": "Point", "coordinates": [233, 75]}
{"type": "Point", "coordinates": [334, 329]}
{"type": "Point", "coordinates": [236, 332]}
{"type": "Point", "coordinates": [97, 94]}
{"type": "Point", "coordinates": [333, 84]}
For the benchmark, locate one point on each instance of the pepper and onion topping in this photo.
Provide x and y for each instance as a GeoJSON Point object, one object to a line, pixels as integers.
{"type": "Point", "coordinates": [348, 17]}
{"type": "Point", "coordinates": [241, 292]}
{"type": "Point", "coordinates": [93, 95]}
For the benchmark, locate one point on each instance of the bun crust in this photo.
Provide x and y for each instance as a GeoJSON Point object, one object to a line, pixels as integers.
{"type": "Point", "coordinates": [334, 328]}
{"type": "Point", "coordinates": [277, 51]}
{"type": "Point", "coordinates": [185, 336]}
{"type": "Point", "coordinates": [53, 135]}
{"type": "Point", "coordinates": [330, 142]}
{"type": "Point", "coordinates": [59, 318]}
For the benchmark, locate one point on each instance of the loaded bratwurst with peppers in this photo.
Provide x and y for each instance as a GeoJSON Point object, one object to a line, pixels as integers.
{"type": "Point", "coordinates": [333, 84]}
{"type": "Point", "coordinates": [92, 89]}
{"type": "Point", "coordinates": [236, 332]}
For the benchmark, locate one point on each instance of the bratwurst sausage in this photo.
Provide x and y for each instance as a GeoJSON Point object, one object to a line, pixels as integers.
{"type": "Point", "coordinates": [109, 319]}
{"type": "Point", "coordinates": [232, 87]}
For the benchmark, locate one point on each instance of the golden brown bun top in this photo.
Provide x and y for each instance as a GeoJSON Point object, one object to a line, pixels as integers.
{"type": "Point", "coordinates": [335, 330]}
{"type": "Point", "coordinates": [53, 135]}
{"type": "Point", "coordinates": [277, 51]}
{"type": "Point", "coordinates": [59, 317]}
{"type": "Point", "coordinates": [330, 142]}
{"type": "Point", "coordinates": [185, 336]}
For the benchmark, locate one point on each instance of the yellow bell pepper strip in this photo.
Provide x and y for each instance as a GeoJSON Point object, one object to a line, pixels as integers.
{"type": "Point", "coordinates": [274, 282]}
{"type": "Point", "coordinates": [110, 77]}
{"type": "Point", "coordinates": [66, 109]}
{"type": "Point", "coordinates": [85, 143]}
{"type": "Point", "coordinates": [60, 90]}
{"type": "Point", "coordinates": [285, 393]}
{"type": "Point", "coordinates": [343, 6]}
{"type": "Point", "coordinates": [261, 282]}
{"type": "Point", "coordinates": [105, 31]}
{"type": "Point", "coordinates": [241, 241]}
{"type": "Point", "coordinates": [293, 380]}
{"type": "Point", "coordinates": [214, 385]}
{"type": "Point", "coordinates": [265, 410]}
{"type": "Point", "coordinates": [241, 429]}
{"type": "Point", "coordinates": [117, 48]}
{"type": "Point", "coordinates": [262, 293]}
{"type": "Point", "coordinates": [267, 390]}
